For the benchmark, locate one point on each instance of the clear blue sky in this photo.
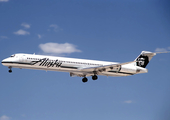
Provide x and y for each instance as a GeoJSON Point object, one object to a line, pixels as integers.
{"type": "Point", "coordinates": [111, 30]}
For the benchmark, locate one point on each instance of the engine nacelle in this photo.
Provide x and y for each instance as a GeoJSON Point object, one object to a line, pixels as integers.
{"type": "Point", "coordinates": [133, 69]}
{"type": "Point", "coordinates": [128, 69]}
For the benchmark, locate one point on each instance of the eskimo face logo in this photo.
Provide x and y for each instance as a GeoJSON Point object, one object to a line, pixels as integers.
{"type": "Point", "coordinates": [142, 61]}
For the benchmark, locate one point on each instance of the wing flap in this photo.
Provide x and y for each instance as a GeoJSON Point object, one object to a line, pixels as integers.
{"type": "Point", "coordinates": [81, 74]}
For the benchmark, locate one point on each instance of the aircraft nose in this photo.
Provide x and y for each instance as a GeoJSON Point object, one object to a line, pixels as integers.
{"type": "Point", "coordinates": [4, 61]}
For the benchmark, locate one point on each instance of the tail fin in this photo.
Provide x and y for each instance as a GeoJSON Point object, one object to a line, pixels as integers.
{"type": "Point", "coordinates": [143, 59]}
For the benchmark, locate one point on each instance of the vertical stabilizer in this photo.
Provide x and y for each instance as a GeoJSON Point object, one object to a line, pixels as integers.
{"type": "Point", "coordinates": [143, 59]}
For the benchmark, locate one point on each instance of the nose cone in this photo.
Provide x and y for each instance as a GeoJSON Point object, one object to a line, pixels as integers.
{"type": "Point", "coordinates": [5, 61]}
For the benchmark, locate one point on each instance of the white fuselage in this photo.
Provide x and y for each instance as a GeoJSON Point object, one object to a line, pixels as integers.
{"type": "Point", "coordinates": [71, 65]}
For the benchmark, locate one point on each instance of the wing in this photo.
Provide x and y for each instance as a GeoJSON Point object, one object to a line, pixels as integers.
{"type": "Point", "coordinates": [89, 71]}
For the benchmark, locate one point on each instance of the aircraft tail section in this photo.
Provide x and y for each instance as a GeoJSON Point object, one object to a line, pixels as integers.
{"type": "Point", "coordinates": [143, 59]}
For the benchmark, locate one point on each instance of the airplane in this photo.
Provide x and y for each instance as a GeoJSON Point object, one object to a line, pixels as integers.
{"type": "Point", "coordinates": [79, 67]}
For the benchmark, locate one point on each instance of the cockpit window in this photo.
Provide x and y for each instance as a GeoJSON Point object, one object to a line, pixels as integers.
{"type": "Point", "coordinates": [12, 55]}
